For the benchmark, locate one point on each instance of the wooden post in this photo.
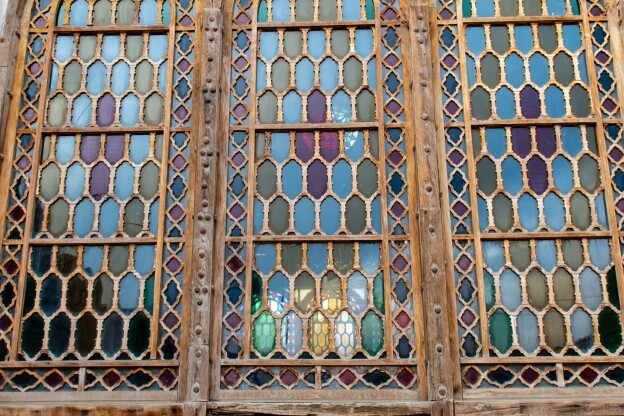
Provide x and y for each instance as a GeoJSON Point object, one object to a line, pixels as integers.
{"type": "Point", "coordinates": [9, 39]}
{"type": "Point", "coordinates": [207, 129]}
{"type": "Point", "coordinates": [440, 362]}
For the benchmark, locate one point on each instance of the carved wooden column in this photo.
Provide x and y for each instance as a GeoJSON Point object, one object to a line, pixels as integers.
{"type": "Point", "coordinates": [440, 361]}
{"type": "Point", "coordinates": [209, 54]}
{"type": "Point", "coordinates": [9, 40]}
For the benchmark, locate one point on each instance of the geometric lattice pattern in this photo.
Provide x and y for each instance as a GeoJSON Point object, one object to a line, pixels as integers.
{"type": "Point", "coordinates": [535, 207]}
{"type": "Point", "coordinates": [92, 260]}
{"type": "Point", "coordinates": [317, 252]}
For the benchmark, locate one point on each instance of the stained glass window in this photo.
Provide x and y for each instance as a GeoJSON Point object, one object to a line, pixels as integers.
{"type": "Point", "coordinates": [533, 146]}
{"type": "Point", "coordinates": [318, 288]}
{"type": "Point", "coordinates": [93, 254]}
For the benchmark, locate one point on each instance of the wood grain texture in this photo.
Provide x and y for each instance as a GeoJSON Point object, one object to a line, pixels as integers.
{"type": "Point", "coordinates": [569, 407]}
{"type": "Point", "coordinates": [432, 233]}
{"type": "Point", "coordinates": [118, 409]}
{"type": "Point", "coordinates": [399, 408]}
{"type": "Point", "coordinates": [202, 286]}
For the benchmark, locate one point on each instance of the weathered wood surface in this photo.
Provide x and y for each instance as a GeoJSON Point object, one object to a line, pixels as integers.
{"type": "Point", "coordinates": [118, 409]}
{"type": "Point", "coordinates": [399, 408]}
{"type": "Point", "coordinates": [569, 407]}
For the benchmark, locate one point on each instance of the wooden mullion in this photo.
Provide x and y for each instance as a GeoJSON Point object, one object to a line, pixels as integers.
{"type": "Point", "coordinates": [34, 180]}
{"type": "Point", "coordinates": [616, 252]}
{"type": "Point", "coordinates": [324, 24]}
{"type": "Point", "coordinates": [472, 179]}
{"type": "Point", "coordinates": [70, 30]}
{"type": "Point", "coordinates": [251, 175]}
{"type": "Point", "coordinates": [381, 131]}
{"type": "Point", "coordinates": [163, 189]}
{"type": "Point", "coordinates": [520, 19]}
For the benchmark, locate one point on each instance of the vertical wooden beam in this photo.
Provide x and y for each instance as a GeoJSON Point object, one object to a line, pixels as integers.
{"type": "Point", "coordinates": [208, 57]}
{"type": "Point", "coordinates": [436, 294]}
{"type": "Point", "coordinates": [9, 40]}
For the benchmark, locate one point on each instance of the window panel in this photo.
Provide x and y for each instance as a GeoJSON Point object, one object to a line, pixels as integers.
{"type": "Point", "coordinates": [93, 256]}
{"type": "Point", "coordinates": [317, 253]}
{"type": "Point", "coordinates": [532, 191]}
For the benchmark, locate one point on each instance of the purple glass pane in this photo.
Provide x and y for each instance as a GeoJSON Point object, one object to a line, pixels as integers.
{"type": "Point", "coordinates": [537, 174]}
{"type": "Point", "coordinates": [530, 104]}
{"type": "Point", "coordinates": [89, 148]}
{"type": "Point", "coordinates": [304, 146]}
{"type": "Point", "coordinates": [330, 146]}
{"type": "Point", "coordinates": [106, 111]}
{"type": "Point", "coordinates": [100, 179]}
{"type": "Point", "coordinates": [114, 148]}
{"type": "Point", "coordinates": [521, 141]}
{"type": "Point", "coordinates": [317, 179]}
{"type": "Point", "coordinates": [317, 108]}
{"type": "Point", "coordinates": [546, 141]}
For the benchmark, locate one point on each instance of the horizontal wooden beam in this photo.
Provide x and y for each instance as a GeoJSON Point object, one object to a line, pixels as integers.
{"type": "Point", "coordinates": [543, 407]}
{"type": "Point", "coordinates": [360, 408]}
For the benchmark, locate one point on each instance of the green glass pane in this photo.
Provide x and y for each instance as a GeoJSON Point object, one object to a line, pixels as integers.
{"type": "Point", "coordinates": [267, 108]}
{"type": "Point", "coordinates": [579, 100]}
{"type": "Point", "coordinates": [352, 74]}
{"type": "Point", "coordinates": [144, 77]}
{"type": "Point", "coordinates": [328, 10]}
{"type": "Point", "coordinates": [256, 292]}
{"type": "Point", "coordinates": [499, 35]}
{"type": "Point", "coordinates": [564, 289]}
{"type": "Point", "coordinates": [263, 12]}
{"type": "Point", "coordinates": [76, 294]}
{"type": "Point", "coordinates": [520, 252]}
{"type": "Point", "coordinates": [266, 182]}
{"type": "Point", "coordinates": [581, 211]}
{"type": "Point", "coordinates": [589, 174]}
{"type": "Point", "coordinates": [503, 212]}
{"type": "Point", "coordinates": [278, 216]}
{"type": "Point", "coordinates": [305, 292]}
{"type": "Point", "coordinates": [486, 176]}
{"type": "Point", "coordinates": [292, 258]}
{"type": "Point", "coordinates": [339, 42]}
{"type": "Point", "coordinates": [610, 329]}
{"type": "Point", "coordinates": [331, 293]}
{"type": "Point", "coordinates": [365, 106]}
{"type": "Point", "coordinates": [612, 288]}
{"type": "Point", "coordinates": [57, 111]}
{"type": "Point", "coordinates": [148, 181]}
{"type": "Point", "coordinates": [59, 218]}
{"type": "Point", "coordinates": [86, 48]}
{"type": "Point", "coordinates": [373, 144]}
{"type": "Point", "coordinates": [480, 104]}
{"type": "Point", "coordinates": [564, 68]}
{"type": "Point", "coordinates": [86, 332]}
{"type": "Point", "coordinates": [537, 290]}
{"type": "Point", "coordinates": [554, 329]}
{"type": "Point", "coordinates": [31, 294]}
{"type": "Point", "coordinates": [67, 260]}
{"type": "Point", "coordinates": [292, 43]}
{"type": "Point", "coordinates": [500, 331]}
{"type": "Point", "coordinates": [378, 294]}
{"type": "Point", "coordinates": [532, 7]}
{"type": "Point", "coordinates": [148, 295]}
{"type": "Point", "coordinates": [32, 335]}
{"type": "Point", "coordinates": [490, 290]}
{"type": "Point", "coordinates": [138, 334]}
{"type": "Point", "coordinates": [264, 333]}
{"type": "Point", "coordinates": [304, 10]}
{"type": "Point", "coordinates": [133, 217]}
{"type": "Point", "coordinates": [573, 253]}
{"type": "Point", "coordinates": [72, 76]}
{"type": "Point", "coordinates": [102, 294]}
{"type": "Point", "coordinates": [370, 10]}
{"type": "Point", "coordinates": [372, 333]}
{"type": "Point", "coordinates": [490, 70]}
{"type": "Point", "coordinates": [509, 8]}
{"type": "Point", "coordinates": [467, 8]}
{"type": "Point", "coordinates": [154, 110]}
{"type": "Point", "coordinates": [343, 255]}
{"type": "Point", "coordinates": [102, 13]}
{"type": "Point", "coordinates": [134, 47]}
{"type": "Point", "coordinates": [547, 36]}
{"type": "Point", "coordinates": [367, 178]}
{"type": "Point", "coordinates": [125, 12]}
{"type": "Point", "coordinates": [50, 181]}
{"type": "Point", "coordinates": [280, 75]}
{"type": "Point", "coordinates": [118, 259]}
